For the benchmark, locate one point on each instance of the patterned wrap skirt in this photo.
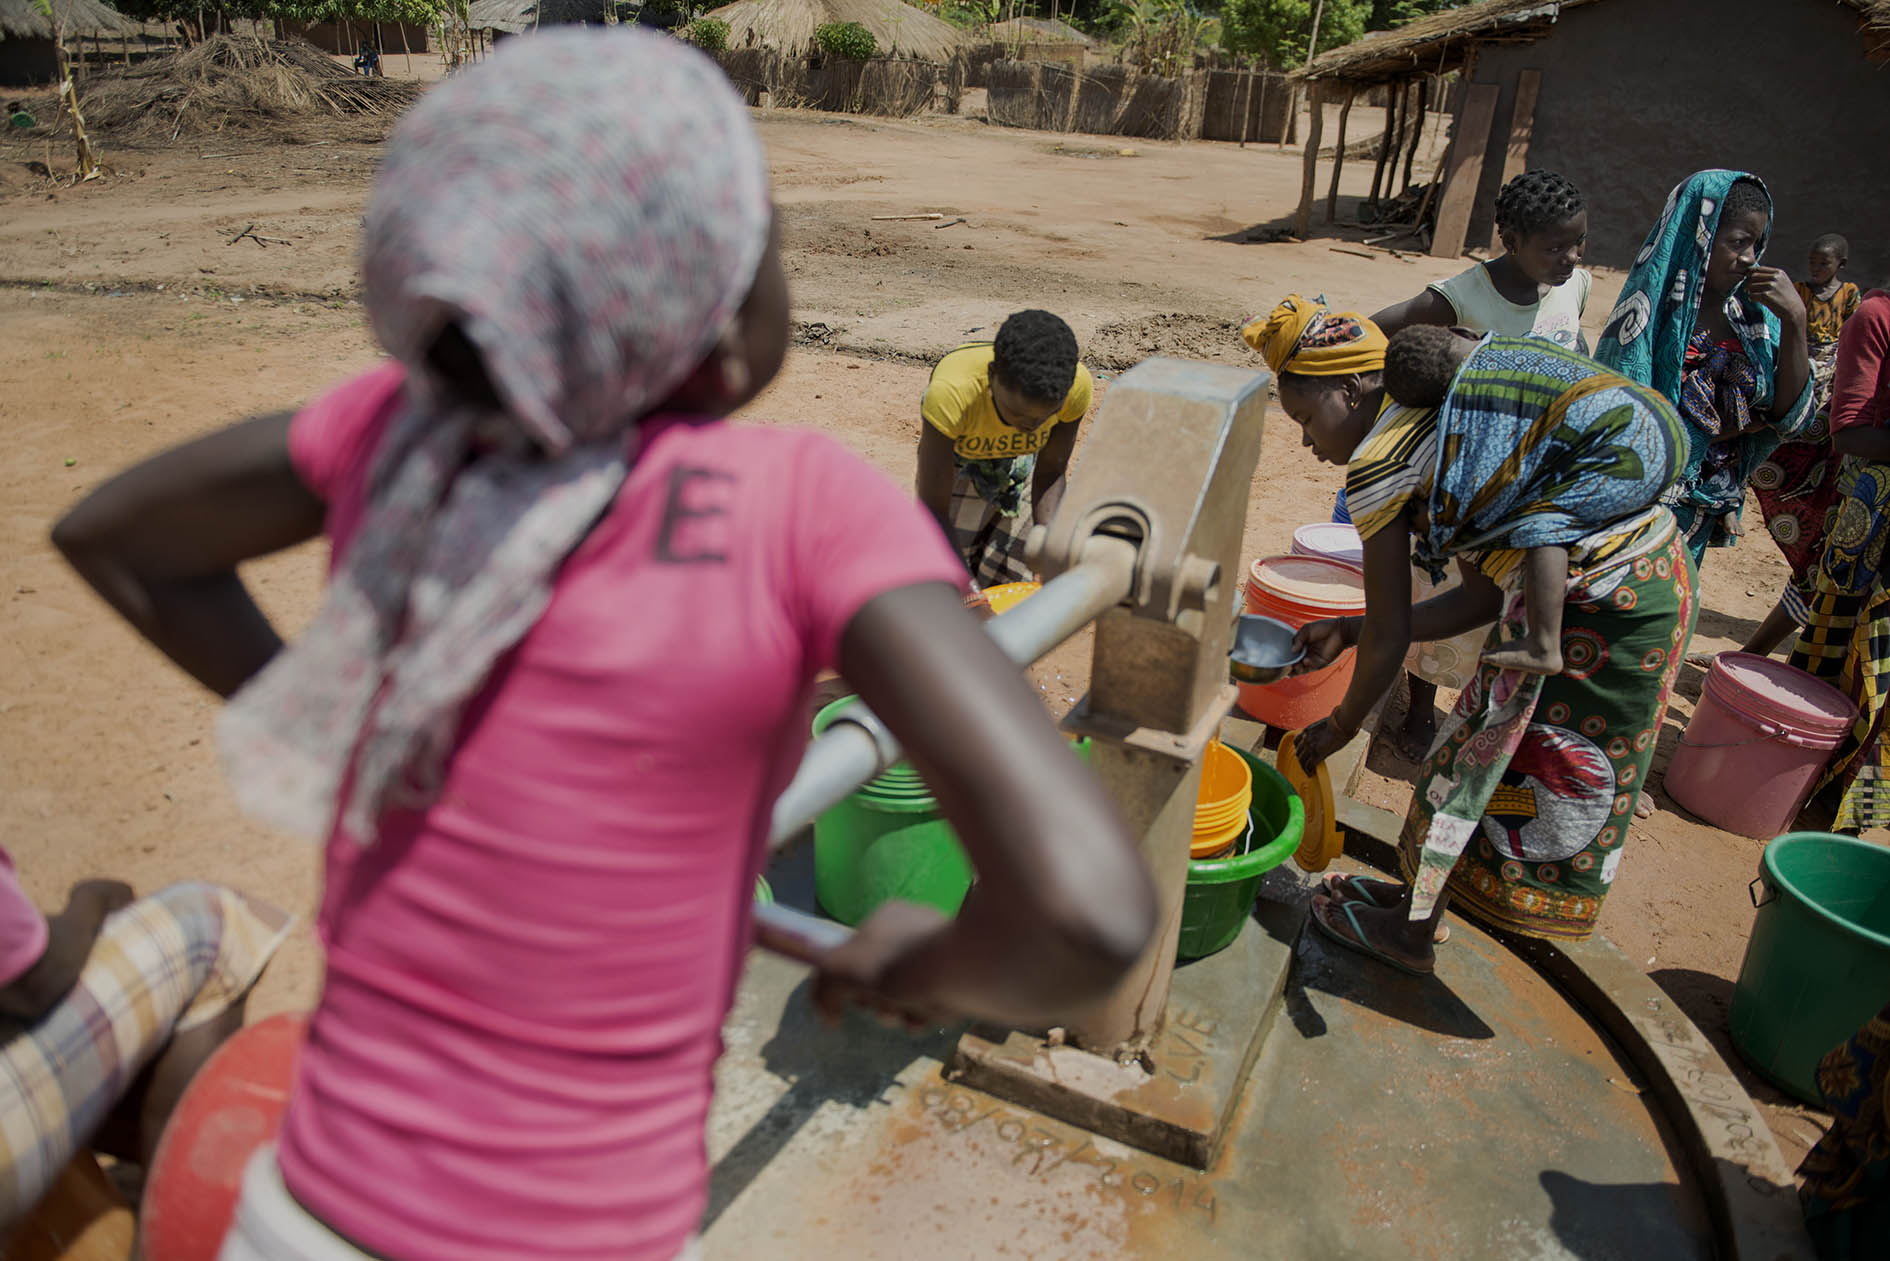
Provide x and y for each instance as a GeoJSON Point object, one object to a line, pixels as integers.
{"type": "Point", "coordinates": [1556, 771]}
{"type": "Point", "coordinates": [1846, 640]}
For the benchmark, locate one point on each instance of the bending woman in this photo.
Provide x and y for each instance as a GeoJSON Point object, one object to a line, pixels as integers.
{"type": "Point", "coordinates": [560, 673]}
{"type": "Point", "coordinates": [1479, 448]}
{"type": "Point", "coordinates": [1720, 336]}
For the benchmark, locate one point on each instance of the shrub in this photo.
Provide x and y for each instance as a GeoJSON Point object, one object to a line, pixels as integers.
{"type": "Point", "coordinates": [845, 39]}
{"type": "Point", "coordinates": [708, 34]}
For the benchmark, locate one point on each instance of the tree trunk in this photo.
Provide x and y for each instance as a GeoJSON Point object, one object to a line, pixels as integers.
{"type": "Point", "coordinates": [1246, 107]}
{"type": "Point", "coordinates": [1394, 117]}
{"type": "Point", "coordinates": [1338, 154]}
{"type": "Point", "coordinates": [1309, 177]}
{"type": "Point", "coordinates": [88, 160]}
{"type": "Point", "coordinates": [1417, 130]}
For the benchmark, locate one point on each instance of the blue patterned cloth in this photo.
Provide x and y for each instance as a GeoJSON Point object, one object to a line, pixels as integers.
{"type": "Point", "coordinates": [1537, 446]}
{"type": "Point", "coordinates": [1647, 337]}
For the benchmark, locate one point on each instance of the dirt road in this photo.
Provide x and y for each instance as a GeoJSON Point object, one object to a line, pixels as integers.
{"type": "Point", "coordinates": [133, 320]}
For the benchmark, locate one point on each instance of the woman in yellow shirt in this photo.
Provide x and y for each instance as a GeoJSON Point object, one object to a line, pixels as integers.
{"type": "Point", "coordinates": [999, 423]}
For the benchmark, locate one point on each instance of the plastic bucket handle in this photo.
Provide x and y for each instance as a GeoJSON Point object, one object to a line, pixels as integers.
{"type": "Point", "coordinates": [1767, 731]}
{"type": "Point", "coordinates": [1752, 891]}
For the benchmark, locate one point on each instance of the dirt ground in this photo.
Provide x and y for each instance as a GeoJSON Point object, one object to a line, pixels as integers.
{"type": "Point", "coordinates": [132, 320]}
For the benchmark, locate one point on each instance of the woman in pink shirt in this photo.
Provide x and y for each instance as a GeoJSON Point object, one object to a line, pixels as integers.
{"type": "Point", "coordinates": [1847, 638]}
{"type": "Point", "coordinates": [560, 675]}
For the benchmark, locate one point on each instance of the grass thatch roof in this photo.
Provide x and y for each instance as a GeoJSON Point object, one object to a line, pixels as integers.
{"type": "Point", "coordinates": [788, 25]}
{"type": "Point", "coordinates": [1439, 43]}
{"type": "Point", "coordinates": [513, 16]}
{"type": "Point", "coordinates": [1037, 31]}
{"type": "Point", "coordinates": [21, 19]}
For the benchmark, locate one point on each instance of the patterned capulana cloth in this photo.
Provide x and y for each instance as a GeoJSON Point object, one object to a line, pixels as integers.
{"type": "Point", "coordinates": [589, 207]}
{"type": "Point", "coordinates": [989, 540]}
{"type": "Point", "coordinates": [1534, 446]}
{"type": "Point", "coordinates": [165, 964]}
{"type": "Point", "coordinates": [1523, 808]}
{"type": "Point", "coordinates": [1846, 1190]}
{"type": "Point", "coordinates": [1846, 640]}
{"type": "Point", "coordinates": [1653, 324]}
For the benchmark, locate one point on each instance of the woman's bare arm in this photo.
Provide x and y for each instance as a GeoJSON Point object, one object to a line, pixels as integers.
{"type": "Point", "coordinates": [1063, 905]}
{"type": "Point", "coordinates": [161, 542]}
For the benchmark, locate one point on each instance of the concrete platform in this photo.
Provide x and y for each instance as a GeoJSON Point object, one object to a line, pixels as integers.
{"type": "Point", "coordinates": [1476, 1114]}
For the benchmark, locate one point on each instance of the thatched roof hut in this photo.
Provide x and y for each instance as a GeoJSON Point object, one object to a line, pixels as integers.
{"type": "Point", "coordinates": [21, 19]}
{"type": "Point", "coordinates": [788, 25]}
{"type": "Point", "coordinates": [1627, 97]}
{"type": "Point", "coordinates": [513, 16]}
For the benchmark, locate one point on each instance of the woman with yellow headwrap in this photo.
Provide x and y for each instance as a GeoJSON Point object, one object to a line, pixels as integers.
{"type": "Point", "coordinates": [1325, 363]}
{"type": "Point", "coordinates": [1488, 450]}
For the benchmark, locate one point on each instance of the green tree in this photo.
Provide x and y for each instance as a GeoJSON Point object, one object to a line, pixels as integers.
{"type": "Point", "coordinates": [845, 39]}
{"type": "Point", "coordinates": [1387, 14]}
{"type": "Point", "coordinates": [1278, 29]}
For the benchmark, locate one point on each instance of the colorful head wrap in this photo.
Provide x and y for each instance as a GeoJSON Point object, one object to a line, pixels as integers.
{"type": "Point", "coordinates": [1302, 336]}
{"type": "Point", "coordinates": [1654, 320]}
{"type": "Point", "coordinates": [589, 208]}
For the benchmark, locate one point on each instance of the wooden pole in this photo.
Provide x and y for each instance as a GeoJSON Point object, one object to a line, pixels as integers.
{"type": "Point", "coordinates": [1417, 131]}
{"type": "Point", "coordinates": [406, 49]}
{"type": "Point", "coordinates": [1246, 107]}
{"type": "Point", "coordinates": [1338, 153]}
{"type": "Point", "coordinates": [1309, 178]}
{"type": "Point", "coordinates": [1522, 125]}
{"type": "Point", "coordinates": [1260, 110]}
{"type": "Point", "coordinates": [1394, 116]}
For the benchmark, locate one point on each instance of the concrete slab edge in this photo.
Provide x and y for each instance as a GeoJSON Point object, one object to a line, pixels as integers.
{"type": "Point", "coordinates": [1748, 1188]}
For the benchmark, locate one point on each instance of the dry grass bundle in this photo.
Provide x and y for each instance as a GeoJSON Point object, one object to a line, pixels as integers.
{"type": "Point", "coordinates": [239, 83]}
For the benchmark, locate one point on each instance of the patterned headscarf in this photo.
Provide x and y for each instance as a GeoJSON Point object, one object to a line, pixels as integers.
{"type": "Point", "coordinates": [1303, 337]}
{"type": "Point", "coordinates": [1647, 335]}
{"type": "Point", "coordinates": [1646, 338]}
{"type": "Point", "coordinates": [590, 207]}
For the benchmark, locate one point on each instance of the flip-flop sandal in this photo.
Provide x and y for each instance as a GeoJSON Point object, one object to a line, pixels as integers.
{"type": "Point", "coordinates": [1357, 944]}
{"type": "Point", "coordinates": [1349, 888]}
{"type": "Point", "coordinates": [1362, 886]}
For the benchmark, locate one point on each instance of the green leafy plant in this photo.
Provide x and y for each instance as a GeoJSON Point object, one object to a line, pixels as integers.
{"type": "Point", "coordinates": [69, 93]}
{"type": "Point", "coordinates": [708, 34]}
{"type": "Point", "coordinates": [1278, 29]}
{"type": "Point", "coordinates": [845, 39]}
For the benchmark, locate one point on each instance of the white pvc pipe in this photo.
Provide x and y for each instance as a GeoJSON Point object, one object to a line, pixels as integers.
{"type": "Point", "coordinates": [858, 746]}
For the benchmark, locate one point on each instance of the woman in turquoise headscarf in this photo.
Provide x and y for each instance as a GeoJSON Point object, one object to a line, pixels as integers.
{"type": "Point", "coordinates": [1722, 337]}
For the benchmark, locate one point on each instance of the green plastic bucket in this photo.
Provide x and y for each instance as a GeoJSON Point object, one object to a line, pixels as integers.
{"type": "Point", "coordinates": [1817, 965]}
{"type": "Point", "coordinates": [1221, 891]}
{"type": "Point", "coordinates": [886, 841]}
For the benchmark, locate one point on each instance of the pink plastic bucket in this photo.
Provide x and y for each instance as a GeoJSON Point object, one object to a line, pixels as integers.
{"type": "Point", "coordinates": [1333, 540]}
{"type": "Point", "coordinates": [1757, 742]}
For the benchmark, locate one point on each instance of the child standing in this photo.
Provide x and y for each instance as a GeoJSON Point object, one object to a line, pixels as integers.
{"type": "Point", "coordinates": [1536, 287]}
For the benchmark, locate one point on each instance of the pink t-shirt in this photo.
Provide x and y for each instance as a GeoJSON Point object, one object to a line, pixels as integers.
{"type": "Point", "coordinates": [22, 928]}
{"type": "Point", "coordinates": [526, 981]}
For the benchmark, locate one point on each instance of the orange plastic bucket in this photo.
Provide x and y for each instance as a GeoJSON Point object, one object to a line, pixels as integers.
{"type": "Point", "coordinates": [1298, 590]}
{"type": "Point", "coordinates": [1222, 802]}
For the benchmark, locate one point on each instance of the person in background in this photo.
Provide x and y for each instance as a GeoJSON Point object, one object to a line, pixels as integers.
{"type": "Point", "coordinates": [1847, 636]}
{"type": "Point", "coordinates": [559, 675]}
{"type": "Point", "coordinates": [1535, 287]}
{"type": "Point", "coordinates": [997, 425]}
{"type": "Point", "coordinates": [1477, 450]}
{"type": "Point", "coordinates": [109, 1008]}
{"type": "Point", "coordinates": [1538, 287]}
{"type": "Point", "coordinates": [1845, 1178]}
{"type": "Point", "coordinates": [1722, 337]}
{"type": "Point", "coordinates": [1796, 485]}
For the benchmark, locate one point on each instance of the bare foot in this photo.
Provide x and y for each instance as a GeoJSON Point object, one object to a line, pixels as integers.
{"type": "Point", "coordinates": [1703, 660]}
{"type": "Point", "coordinates": [1412, 738]}
{"type": "Point", "coordinates": [1520, 654]}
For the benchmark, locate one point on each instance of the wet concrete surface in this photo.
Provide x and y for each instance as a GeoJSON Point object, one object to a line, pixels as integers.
{"type": "Point", "coordinates": [1475, 1114]}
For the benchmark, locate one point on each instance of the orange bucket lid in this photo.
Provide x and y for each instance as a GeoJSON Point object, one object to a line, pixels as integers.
{"type": "Point", "coordinates": [1313, 583]}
